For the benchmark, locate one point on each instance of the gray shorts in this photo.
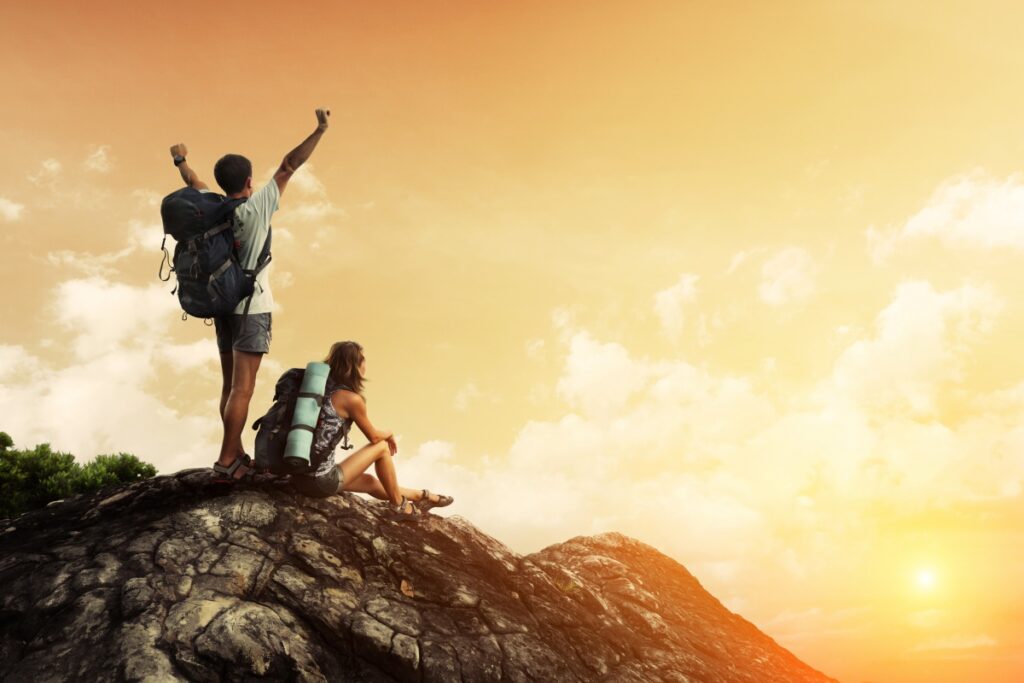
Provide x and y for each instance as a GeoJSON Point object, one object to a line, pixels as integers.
{"type": "Point", "coordinates": [318, 487]}
{"type": "Point", "coordinates": [254, 338]}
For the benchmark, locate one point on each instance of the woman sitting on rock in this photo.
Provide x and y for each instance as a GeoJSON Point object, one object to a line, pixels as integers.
{"type": "Point", "coordinates": [348, 370]}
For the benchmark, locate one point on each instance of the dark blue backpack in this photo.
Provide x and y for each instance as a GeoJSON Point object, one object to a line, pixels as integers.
{"type": "Point", "coordinates": [211, 281]}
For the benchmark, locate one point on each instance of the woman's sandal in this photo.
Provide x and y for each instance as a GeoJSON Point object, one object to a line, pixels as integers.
{"type": "Point", "coordinates": [424, 504]}
{"type": "Point", "coordinates": [226, 475]}
{"type": "Point", "coordinates": [406, 508]}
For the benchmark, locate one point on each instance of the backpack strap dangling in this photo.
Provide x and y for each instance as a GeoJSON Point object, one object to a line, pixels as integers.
{"type": "Point", "coordinates": [165, 261]}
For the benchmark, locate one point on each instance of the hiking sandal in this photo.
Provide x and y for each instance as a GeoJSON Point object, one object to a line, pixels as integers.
{"type": "Point", "coordinates": [406, 508]}
{"type": "Point", "coordinates": [424, 504]}
{"type": "Point", "coordinates": [226, 475]}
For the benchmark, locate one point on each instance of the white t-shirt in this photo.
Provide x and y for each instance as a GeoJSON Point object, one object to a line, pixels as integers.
{"type": "Point", "coordinates": [252, 223]}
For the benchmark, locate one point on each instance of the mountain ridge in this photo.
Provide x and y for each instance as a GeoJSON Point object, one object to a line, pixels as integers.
{"type": "Point", "coordinates": [178, 578]}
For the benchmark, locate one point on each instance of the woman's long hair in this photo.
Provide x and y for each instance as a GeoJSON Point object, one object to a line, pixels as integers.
{"type": "Point", "coordinates": [345, 357]}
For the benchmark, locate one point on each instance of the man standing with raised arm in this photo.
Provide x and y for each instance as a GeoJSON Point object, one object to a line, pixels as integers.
{"type": "Point", "coordinates": [242, 338]}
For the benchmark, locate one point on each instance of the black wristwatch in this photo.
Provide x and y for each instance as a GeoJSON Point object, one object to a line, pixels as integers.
{"type": "Point", "coordinates": [179, 160]}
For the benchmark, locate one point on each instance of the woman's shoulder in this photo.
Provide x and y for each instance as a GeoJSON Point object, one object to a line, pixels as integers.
{"type": "Point", "coordinates": [344, 399]}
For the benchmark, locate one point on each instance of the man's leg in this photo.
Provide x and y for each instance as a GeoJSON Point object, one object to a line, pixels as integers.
{"type": "Point", "coordinates": [225, 341]}
{"type": "Point", "coordinates": [245, 365]}
{"type": "Point", "coordinates": [226, 368]}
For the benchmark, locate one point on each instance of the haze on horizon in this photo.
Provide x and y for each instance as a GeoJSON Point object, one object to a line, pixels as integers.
{"type": "Point", "coordinates": [736, 280]}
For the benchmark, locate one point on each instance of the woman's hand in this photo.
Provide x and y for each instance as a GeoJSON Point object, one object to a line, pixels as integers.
{"type": "Point", "coordinates": [392, 444]}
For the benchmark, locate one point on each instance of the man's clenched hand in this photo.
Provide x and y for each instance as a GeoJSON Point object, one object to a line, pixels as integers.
{"type": "Point", "coordinates": [322, 115]}
{"type": "Point", "coordinates": [179, 150]}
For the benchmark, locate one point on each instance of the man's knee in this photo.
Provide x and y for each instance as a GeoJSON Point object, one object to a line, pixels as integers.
{"type": "Point", "coordinates": [241, 393]}
{"type": "Point", "coordinates": [246, 365]}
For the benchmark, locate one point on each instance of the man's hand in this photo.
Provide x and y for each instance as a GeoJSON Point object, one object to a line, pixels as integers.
{"type": "Point", "coordinates": [187, 174]}
{"type": "Point", "coordinates": [322, 115]}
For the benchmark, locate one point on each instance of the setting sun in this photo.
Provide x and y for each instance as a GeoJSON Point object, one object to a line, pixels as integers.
{"type": "Point", "coordinates": [926, 579]}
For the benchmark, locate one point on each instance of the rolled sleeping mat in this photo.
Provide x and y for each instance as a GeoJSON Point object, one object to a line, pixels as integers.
{"type": "Point", "coordinates": [299, 444]}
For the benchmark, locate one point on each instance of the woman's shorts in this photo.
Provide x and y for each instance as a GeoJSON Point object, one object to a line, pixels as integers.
{"type": "Point", "coordinates": [318, 487]}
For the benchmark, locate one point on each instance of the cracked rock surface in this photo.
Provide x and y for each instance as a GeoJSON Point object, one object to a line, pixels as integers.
{"type": "Point", "coordinates": [179, 579]}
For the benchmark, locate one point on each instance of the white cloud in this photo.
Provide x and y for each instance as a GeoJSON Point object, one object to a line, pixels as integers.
{"type": "Point", "coordinates": [141, 236]}
{"type": "Point", "coordinates": [788, 277]}
{"type": "Point", "coordinates": [957, 642]}
{"type": "Point", "coordinates": [465, 396]}
{"type": "Point", "coordinates": [100, 399]}
{"type": "Point", "coordinates": [311, 202]}
{"type": "Point", "coordinates": [15, 361]}
{"type": "Point", "coordinates": [975, 210]}
{"type": "Point", "coordinates": [882, 245]}
{"type": "Point", "coordinates": [99, 160]}
{"type": "Point", "coordinates": [920, 344]}
{"type": "Point", "coordinates": [148, 198]}
{"type": "Point", "coordinates": [739, 482]}
{"type": "Point", "coordinates": [10, 210]}
{"type": "Point", "coordinates": [669, 303]}
{"type": "Point", "coordinates": [49, 171]}
{"type": "Point", "coordinates": [105, 316]}
{"type": "Point", "coordinates": [599, 377]}
{"type": "Point", "coordinates": [742, 257]}
{"type": "Point", "coordinates": [535, 349]}
{"type": "Point", "coordinates": [968, 210]}
{"type": "Point", "coordinates": [738, 260]}
{"type": "Point", "coordinates": [63, 189]}
{"type": "Point", "coordinates": [283, 279]}
{"type": "Point", "coordinates": [306, 182]}
{"type": "Point", "coordinates": [310, 210]}
{"type": "Point", "coordinates": [815, 623]}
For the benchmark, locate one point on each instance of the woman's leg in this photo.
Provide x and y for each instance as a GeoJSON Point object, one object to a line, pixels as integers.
{"type": "Point", "coordinates": [378, 455]}
{"type": "Point", "coordinates": [385, 485]}
{"type": "Point", "coordinates": [367, 483]}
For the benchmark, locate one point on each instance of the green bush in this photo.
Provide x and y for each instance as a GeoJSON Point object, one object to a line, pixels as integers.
{"type": "Point", "coordinates": [32, 478]}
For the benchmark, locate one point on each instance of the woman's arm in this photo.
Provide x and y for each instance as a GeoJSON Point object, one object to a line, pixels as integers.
{"type": "Point", "coordinates": [354, 405]}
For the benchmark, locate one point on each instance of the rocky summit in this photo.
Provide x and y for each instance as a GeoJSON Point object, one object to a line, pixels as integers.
{"type": "Point", "coordinates": [177, 578]}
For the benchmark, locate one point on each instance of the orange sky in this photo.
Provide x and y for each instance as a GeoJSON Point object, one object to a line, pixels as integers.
{"type": "Point", "coordinates": [736, 279]}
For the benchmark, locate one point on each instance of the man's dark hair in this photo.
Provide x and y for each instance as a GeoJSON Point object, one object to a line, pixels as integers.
{"type": "Point", "coordinates": [231, 172]}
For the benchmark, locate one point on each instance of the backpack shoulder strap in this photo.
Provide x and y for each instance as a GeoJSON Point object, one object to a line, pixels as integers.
{"type": "Point", "coordinates": [224, 215]}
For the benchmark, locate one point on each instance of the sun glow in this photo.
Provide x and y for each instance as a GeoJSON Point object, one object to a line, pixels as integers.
{"type": "Point", "coordinates": [926, 579]}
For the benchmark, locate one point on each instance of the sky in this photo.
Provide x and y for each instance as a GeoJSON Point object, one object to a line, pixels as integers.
{"type": "Point", "coordinates": [737, 279]}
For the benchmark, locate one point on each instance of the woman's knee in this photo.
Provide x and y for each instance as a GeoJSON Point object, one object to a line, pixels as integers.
{"type": "Point", "coordinates": [360, 483]}
{"type": "Point", "coordinates": [366, 481]}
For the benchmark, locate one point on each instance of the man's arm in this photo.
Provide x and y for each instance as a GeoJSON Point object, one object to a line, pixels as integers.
{"type": "Point", "coordinates": [300, 154]}
{"type": "Point", "coordinates": [187, 174]}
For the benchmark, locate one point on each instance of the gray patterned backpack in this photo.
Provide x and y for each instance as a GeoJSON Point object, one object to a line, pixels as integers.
{"type": "Point", "coordinates": [272, 428]}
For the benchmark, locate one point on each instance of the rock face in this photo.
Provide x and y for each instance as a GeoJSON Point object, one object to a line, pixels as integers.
{"type": "Point", "coordinates": [176, 578]}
